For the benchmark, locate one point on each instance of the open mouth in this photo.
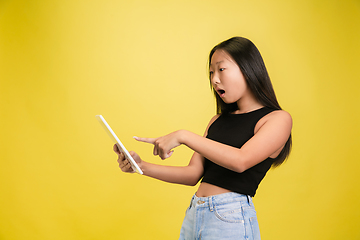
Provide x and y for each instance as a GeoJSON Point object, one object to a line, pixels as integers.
{"type": "Point", "coordinates": [221, 92]}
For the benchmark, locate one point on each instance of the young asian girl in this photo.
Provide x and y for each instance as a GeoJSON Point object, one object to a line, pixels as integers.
{"type": "Point", "coordinates": [249, 135]}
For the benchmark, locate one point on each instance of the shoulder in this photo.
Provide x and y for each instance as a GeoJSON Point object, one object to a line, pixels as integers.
{"type": "Point", "coordinates": [277, 118]}
{"type": "Point", "coordinates": [212, 120]}
{"type": "Point", "coordinates": [280, 115]}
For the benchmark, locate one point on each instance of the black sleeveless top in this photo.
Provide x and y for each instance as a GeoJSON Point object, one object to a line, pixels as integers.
{"type": "Point", "coordinates": [235, 130]}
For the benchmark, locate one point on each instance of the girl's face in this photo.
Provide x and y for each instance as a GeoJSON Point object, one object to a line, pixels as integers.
{"type": "Point", "coordinates": [227, 78]}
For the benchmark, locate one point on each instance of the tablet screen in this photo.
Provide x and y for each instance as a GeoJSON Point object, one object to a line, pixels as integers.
{"type": "Point", "coordinates": [116, 140]}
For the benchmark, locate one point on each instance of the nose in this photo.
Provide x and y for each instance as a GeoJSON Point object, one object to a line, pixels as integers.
{"type": "Point", "coordinates": [215, 80]}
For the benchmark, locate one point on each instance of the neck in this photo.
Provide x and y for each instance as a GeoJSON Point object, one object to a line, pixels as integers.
{"type": "Point", "coordinates": [248, 106]}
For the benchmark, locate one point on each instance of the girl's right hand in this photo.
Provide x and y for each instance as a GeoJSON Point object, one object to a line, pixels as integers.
{"type": "Point", "coordinates": [124, 163]}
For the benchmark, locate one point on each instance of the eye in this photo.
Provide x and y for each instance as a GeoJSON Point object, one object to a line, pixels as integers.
{"type": "Point", "coordinates": [221, 69]}
{"type": "Point", "coordinates": [211, 72]}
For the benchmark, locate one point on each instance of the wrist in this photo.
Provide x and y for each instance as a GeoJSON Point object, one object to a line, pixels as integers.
{"type": "Point", "coordinates": [182, 136]}
{"type": "Point", "coordinates": [143, 167]}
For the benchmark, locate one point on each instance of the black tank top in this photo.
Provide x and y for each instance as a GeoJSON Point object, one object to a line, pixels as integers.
{"type": "Point", "coordinates": [235, 130]}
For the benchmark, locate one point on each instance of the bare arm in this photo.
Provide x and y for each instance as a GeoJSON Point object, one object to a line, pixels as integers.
{"type": "Point", "coordinates": [187, 175]}
{"type": "Point", "coordinates": [271, 135]}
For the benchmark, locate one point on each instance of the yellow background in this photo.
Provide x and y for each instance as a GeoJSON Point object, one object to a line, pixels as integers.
{"type": "Point", "coordinates": [143, 66]}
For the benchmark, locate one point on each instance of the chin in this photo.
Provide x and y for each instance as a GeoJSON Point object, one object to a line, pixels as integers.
{"type": "Point", "coordinates": [228, 102]}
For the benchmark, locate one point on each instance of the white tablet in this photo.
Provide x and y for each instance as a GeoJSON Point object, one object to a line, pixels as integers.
{"type": "Point", "coordinates": [116, 140]}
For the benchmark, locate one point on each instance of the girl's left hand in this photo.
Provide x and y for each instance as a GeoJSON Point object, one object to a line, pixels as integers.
{"type": "Point", "coordinates": [163, 145]}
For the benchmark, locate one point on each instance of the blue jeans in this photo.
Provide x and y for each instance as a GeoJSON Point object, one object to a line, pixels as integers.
{"type": "Point", "coordinates": [224, 216]}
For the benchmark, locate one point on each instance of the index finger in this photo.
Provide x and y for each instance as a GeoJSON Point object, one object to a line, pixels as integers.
{"type": "Point", "coordinates": [146, 140]}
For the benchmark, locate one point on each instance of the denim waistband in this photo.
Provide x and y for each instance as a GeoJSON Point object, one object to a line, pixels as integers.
{"type": "Point", "coordinates": [211, 201]}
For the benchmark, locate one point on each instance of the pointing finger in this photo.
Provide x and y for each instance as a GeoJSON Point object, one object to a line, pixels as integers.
{"type": "Point", "coordinates": [146, 140]}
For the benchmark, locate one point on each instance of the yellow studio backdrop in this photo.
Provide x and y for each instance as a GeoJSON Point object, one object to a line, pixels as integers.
{"type": "Point", "coordinates": [142, 65]}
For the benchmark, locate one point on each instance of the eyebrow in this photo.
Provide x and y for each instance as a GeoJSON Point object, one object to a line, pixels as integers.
{"type": "Point", "coordinates": [217, 63]}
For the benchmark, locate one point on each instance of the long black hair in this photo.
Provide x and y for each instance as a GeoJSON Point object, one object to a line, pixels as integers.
{"type": "Point", "coordinates": [248, 58]}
